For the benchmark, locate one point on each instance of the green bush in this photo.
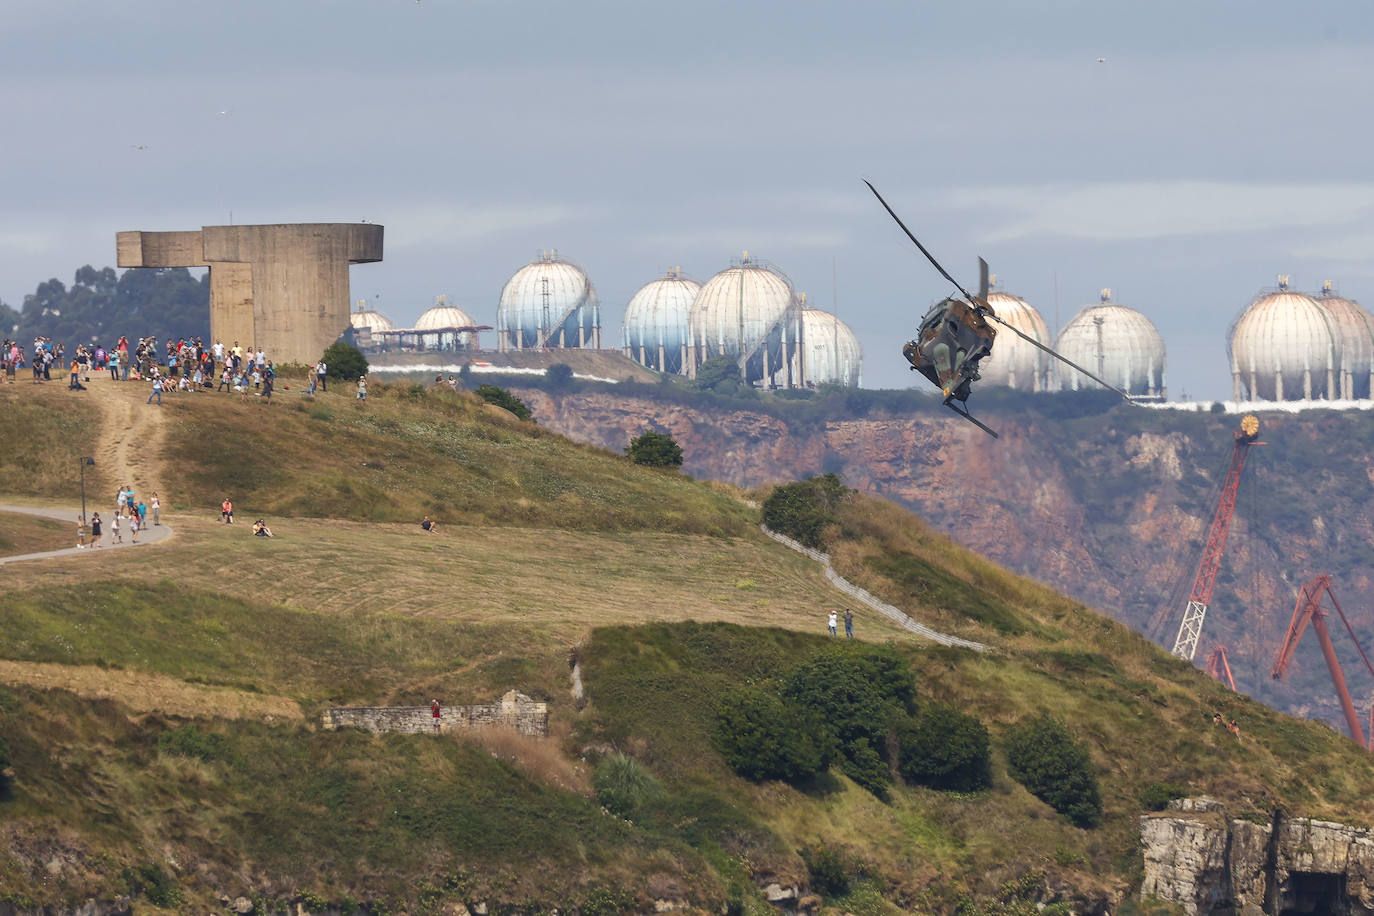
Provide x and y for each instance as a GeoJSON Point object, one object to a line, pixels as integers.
{"type": "Point", "coordinates": [656, 450]}
{"type": "Point", "coordinates": [623, 786]}
{"type": "Point", "coordinates": [344, 361]}
{"type": "Point", "coordinates": [761, 737]}
{"type": "Point", "coordinates": [803, 509]}
{"type": "Point", "coordinates": [866, 767]}
{"type": "Point", "coordinates": [827, 870]}
{"type": "Point", "coordinates": [559, 377]}
{"type": "Point", "coordinates": [854, 693]}
{"type": "Point", "coordinates": [503, 398]}
{"type": "Point", "coordinates": [154, 883]}
{"type": "Point", "coordinates": [1056, 768]}
{"type": "Point", "coordinates": [4, 765]}
{"type": "Point", "coordinates": [945, 749]}
{"type": "Point", "coordinates": [1157, 795]}
{"type": "Point", "coordinates": [189, 741]}
{"type": "Point", "coordinates": [719, 374]}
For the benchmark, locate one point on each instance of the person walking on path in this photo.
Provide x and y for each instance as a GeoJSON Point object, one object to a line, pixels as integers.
{"type": "Point", "coordinates": [157, 390]}
{"type": "Point", "coordinates": [134, 525]}
{"type": "Point", "coordinates": [832, 621]}
{"type": "Point", "coordinates": [155, 507]}
{"type": "Point", "coordinates": [115, 536]}
{"type": "Point", "coordinates": [95, 529]}
{"type": "Point", "coordinates": [435, 714]}
{"type": "Point", "coordinates": [848, 623]}
{"type": "Point", "coordinates": [80, 533]}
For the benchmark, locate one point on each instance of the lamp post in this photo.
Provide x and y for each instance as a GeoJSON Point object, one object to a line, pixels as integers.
{"type": "Point", "coordinates": [83, 461]}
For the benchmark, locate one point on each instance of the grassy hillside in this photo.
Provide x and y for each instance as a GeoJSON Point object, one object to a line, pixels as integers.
{"type": "Point", "coordinates": [158, 705]}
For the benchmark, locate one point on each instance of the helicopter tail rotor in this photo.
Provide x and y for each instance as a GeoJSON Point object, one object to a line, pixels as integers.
{"type": "Point", "coordinates": [983, 284]}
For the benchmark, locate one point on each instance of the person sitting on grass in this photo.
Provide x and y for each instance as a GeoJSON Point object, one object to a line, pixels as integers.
{"type": "Point", "coordinates": [429, 526]}
{"type": "Point", "coordinates": [261, 530]}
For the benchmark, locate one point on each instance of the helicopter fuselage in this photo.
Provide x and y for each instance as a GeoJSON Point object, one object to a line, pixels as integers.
{"type": "Point", "coordinates": [952, 338]}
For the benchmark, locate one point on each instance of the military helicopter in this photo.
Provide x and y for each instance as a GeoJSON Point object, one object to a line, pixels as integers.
{"type": "Point", "coordinates": [955, 335]}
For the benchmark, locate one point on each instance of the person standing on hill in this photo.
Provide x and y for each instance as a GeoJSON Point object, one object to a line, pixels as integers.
{"type": "Point", "coordinates": [80, 533]}
{"type": "Point", "coordinates": [832, 621]}
{"type": "Point", "coordinates": [362, 388]}
{"type": "Point", "coordinates": [134, 525]}
{"type": "Point", "coordinates": [115, 536]}
{"type": "Point", "coordinates": [435, 714]}
{"type": "Point", "coordinates": [322, 371]}
{"type": "Point", "coordinates": [848, 623]}
{"type": "Point", "coordinates": [95, 529]}
{"type": "Point", "coordinates": [157, 390]}
{"type": "Point", "coordinates": [155, 505]}
{"type": "Point", "coordinates": [226, 512]}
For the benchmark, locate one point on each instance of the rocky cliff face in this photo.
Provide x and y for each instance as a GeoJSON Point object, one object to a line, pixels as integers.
{"type": "Point", "coordinates": [1111, 509]}
{"type": "Point", "coordinates": [1198, 857]}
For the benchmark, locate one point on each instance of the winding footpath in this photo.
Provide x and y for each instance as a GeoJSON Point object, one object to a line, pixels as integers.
{"type": "Point", "coordinates": [897, 615]}
{"type": "Point", "coordinates": [150, 535]}
{"type": "Point", "coordinates": [133, 430]}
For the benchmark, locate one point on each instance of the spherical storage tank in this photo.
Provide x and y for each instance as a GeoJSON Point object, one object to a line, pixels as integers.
{"type": "Point", "coordinates": [655, 332]}
{"type": "Point", "coordinates": [368, 325]}
{"type": "Point", "coordinates": [750, 313]}
{"type": "Point", "coordinates": [1283, 347]}
{"type": "Point", "coordinates": [1354, 325]}
{"type": "Point", "coordinates": [831, 352]}
{"type": "Point", "coordinates": [1115, 343]}
{"type": "Point", "coordinates": [548, 303]}
{"type": "Point", "coordinates": [1013, 362]}
{"type": "Point", "coordinates": [437, 328]}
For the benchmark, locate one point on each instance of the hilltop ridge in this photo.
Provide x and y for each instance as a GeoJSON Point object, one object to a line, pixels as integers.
{"type": "Point", "coordinates": [150, 698]}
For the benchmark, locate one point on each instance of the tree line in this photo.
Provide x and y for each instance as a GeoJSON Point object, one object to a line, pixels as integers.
{"type": "Point", "coordinates": [167, 303]}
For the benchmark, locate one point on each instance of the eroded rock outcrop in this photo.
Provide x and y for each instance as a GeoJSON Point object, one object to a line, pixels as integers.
{"type": "Point", "coordinates": [1209, 863]}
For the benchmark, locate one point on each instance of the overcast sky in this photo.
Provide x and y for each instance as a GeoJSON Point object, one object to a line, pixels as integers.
{"type": "Point", "coordinates": [1220, 144]}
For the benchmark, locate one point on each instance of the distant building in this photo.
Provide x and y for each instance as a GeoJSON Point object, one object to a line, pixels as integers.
{"type": "Point", "coordinates": [1287, 346]}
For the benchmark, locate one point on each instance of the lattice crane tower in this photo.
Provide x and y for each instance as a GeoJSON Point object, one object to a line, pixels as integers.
{"type": "Point", "coordinates": [1190, 630]}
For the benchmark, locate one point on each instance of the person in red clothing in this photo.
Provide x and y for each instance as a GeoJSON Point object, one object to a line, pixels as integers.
{"type": "Point", "coordinates": [435, 714]}
{"type": "Point", "coordinates": [226, 512]}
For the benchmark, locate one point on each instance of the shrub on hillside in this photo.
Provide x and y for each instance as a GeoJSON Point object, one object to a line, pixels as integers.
{"type": "Point", "coordinates": [719, 374]}
{"type": "Point", "coordinates": [189, 741]}
{"type": "Point", "coordinates": [4, 765]}
{"type": "Point", "coordinates": [761, 737]}
{"type": "Point", "coordinates": [1055, 767]}
{"type": "Point", "coordinates": [854, 693]}
{"type": "Point", "coordinates": [503, 398]}
{"type": "Point", "coordinates": [943, 748]}
{"type": "Point", "coordinates": [803, 509]}
{"type": "Point", "coordinates": [868, 769]}
{"type": "Point", "coordinates": [655, 450]}
{"type": "Point", "coordinates": [827, 870]}
{"type": "Point", "coordinates": [344, 361]}
{"type": "Point", "coordinates": [623, 785]}
{"type": "Point", "coordinates": [559, 377]}
{"type": "Point", "coordinates": [1157, 795]}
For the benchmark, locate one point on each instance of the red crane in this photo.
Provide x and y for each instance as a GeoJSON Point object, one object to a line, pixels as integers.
{"type": "Point", "coordinates": [1219, 668]}
{"type": "Point", "coordinates": [1189, 631]}
{"type": "Point", "coordinates": [1308, 609]}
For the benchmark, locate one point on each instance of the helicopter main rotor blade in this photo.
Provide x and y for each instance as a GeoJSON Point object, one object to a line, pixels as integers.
{"type": "Point", "coordinates": [1062, 359]}
{"type": "Point", "coordinates": [929, 257]}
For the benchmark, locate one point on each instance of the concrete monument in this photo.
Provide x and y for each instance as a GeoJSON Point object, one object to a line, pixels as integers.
{"type": "Point", "coordinates": [283, 288]}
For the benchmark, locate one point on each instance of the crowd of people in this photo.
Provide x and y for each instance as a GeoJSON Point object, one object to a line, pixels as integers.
{"type": "Point", "coordinates": [130, 514]}
{"type": "Point", "coordinates": [180, 365]}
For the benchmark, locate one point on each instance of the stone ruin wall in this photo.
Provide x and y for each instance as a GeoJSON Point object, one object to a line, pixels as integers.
{"type": "Point", "coordinates": [514, 711]}
{"type": "Point", "coordinates": [1198, 857]}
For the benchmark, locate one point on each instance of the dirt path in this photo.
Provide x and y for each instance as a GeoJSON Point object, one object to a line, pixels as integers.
{"type": "Point", "coordinates": [143, 692]}
{"type": "Point", "coordinates": [131, 434]}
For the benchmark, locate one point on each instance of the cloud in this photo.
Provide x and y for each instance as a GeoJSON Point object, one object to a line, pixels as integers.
{"type": "Point", "coordinates": [1119, 211]}
{"type": "Point", "coordinates": [430, 224]}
